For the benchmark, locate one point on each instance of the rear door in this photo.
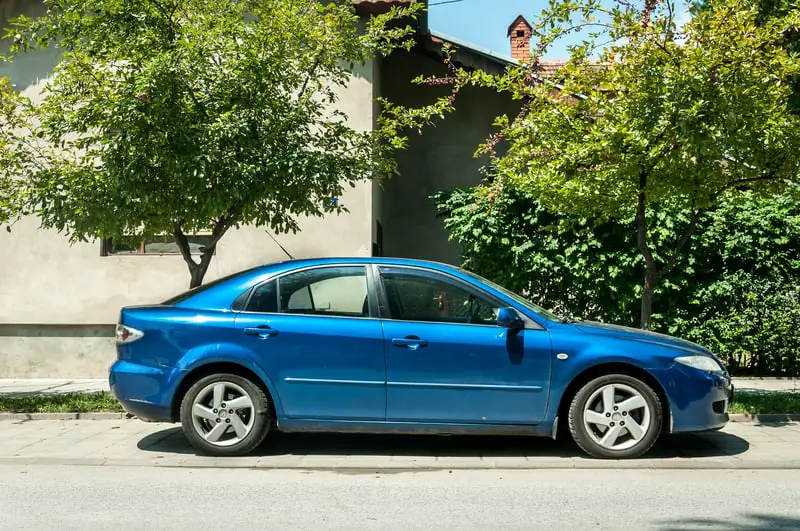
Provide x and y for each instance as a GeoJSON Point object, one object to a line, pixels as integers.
{"type": "Point", "coordinates": [317, 335]}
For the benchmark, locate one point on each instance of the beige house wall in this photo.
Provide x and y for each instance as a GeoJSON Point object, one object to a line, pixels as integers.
{"type": "Point", "coordinates": [58, 300]}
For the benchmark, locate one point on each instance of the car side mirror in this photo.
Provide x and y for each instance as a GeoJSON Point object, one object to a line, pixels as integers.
{"type": "Point", "coordinates": [510, 318]}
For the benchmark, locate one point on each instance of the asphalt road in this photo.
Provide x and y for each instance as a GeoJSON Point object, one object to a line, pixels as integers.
{"type": "Point", "coordinates": [122, 498]}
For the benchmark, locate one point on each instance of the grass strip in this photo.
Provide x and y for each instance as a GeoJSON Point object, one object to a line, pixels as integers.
{"type": "Point", "coordinates": [747, 403]}
{"type": "Point", "coordinates": [61, 403]}
{"type": "Point", "coordinates": [765, 403]}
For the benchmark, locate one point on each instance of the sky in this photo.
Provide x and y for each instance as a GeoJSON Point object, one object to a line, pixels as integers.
{"type": "Point", "coordinates": [485, 22]}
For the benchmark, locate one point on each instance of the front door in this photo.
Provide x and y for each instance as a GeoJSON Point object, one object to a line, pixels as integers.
{"type": "Point", "coordinates": [447, 361]}
{"type": "Point", "coordinates": [314, 335]}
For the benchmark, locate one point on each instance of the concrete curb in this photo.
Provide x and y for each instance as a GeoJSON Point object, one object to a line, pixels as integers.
{"type": "Point", "coordinates": [772, 417]}
{"type": "Point", "coordinates": [62, 416]}
{"type": "Point", "coordinates": [767, 378]}
{"type": "Point", "coordinates": [398, 467]}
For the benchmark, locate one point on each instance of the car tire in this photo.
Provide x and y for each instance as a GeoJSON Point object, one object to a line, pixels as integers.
{"type": "Point", "coordinates": [225, 415]}
{"type": "Point", "coordinates": [603, 413]}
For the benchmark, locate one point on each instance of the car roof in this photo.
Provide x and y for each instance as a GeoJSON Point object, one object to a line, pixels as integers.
{"type": "Point", "coordinates": [306, 262]}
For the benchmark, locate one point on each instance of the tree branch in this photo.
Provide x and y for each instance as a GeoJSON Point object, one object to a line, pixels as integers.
{"type": "Point", "coordinates": [682, 241]}
{"type": "Point", "coordinates": [169, 19]}
{"type": "Point", "coordinates": [311, 73]}
{"type": "Point", "coordinates": [649, 7]}
{"type": "Point", "coordinates": [768, 176]}
{"type": "Point", "coordinates": [225, 222]}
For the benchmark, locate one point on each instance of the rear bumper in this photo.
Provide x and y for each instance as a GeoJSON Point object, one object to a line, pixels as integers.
{"type": "Point", "coordinates": [698, 400]}
{"type": "Point", "coordinates": [143, 390]}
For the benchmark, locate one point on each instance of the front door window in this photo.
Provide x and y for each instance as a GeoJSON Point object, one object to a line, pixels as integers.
{"type": "Point", "coordinates": [428, 298]}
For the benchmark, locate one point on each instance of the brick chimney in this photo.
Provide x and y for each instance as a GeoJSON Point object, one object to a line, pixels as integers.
{"type": "Point", "coordinates": [520, 33]}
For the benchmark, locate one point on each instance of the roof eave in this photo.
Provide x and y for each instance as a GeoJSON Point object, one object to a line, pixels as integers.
{"type": "Point", "coordinates": [472, 56]}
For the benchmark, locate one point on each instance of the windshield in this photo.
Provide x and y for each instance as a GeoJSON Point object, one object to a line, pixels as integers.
{"type": "Point", "coordinates": [518, 298]}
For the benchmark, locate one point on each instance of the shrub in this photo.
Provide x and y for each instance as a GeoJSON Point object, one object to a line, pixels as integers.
{"type": "Point", "coordinates": [735, 290]}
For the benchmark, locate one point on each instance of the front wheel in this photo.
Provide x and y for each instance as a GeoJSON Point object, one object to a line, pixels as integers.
{"type": "Point", "coordinates": [615, 416]}
{"type": "Point", "coordinates": [225, 415]}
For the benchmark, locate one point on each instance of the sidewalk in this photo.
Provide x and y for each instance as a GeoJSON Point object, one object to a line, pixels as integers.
{"type": "Point", "coordinates": [123, 442]}
{"type": "Point", "coordinates": [767, 384]}
{"type": "Point", "coordinates": [50, 386]}
{"type": "Point", "coordinates": [22, 387]}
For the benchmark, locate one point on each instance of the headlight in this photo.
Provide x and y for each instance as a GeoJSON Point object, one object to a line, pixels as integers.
{"type": "Point", "coordinates": [704, 363]}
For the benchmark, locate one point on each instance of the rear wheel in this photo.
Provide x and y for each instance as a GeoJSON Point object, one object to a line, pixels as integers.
{"type": "Point", "coordinates": [225, 415]}
{"type": "Point", "coordinates": [615, 416]}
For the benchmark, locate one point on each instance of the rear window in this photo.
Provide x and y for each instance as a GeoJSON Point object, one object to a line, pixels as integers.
{"type": "Point", "coordinates": [200, 289]}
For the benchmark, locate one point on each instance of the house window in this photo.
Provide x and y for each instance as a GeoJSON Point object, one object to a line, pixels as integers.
{"type": "Point", "coordinates": [520, 33]}
{"type": "Point", "coordinates": [158, 246]}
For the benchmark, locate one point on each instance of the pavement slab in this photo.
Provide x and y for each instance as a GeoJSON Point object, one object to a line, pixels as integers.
{"type": "Point", "coordinates": [130, 442]}
{"type": "Point", "coordinates": [755, 385]}
{"type": "Point", "coordinates": [50, 386]}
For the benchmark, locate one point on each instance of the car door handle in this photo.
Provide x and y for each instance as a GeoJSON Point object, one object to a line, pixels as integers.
{"type": "Point", "coordinates": [262, 332]}
{"type": "Point", "coordinates": [410, 342]}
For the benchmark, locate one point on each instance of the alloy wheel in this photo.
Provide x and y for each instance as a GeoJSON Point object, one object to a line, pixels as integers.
{"type": "Point", "coordinates": [223, 413]}
{"type": "Point", "coordinates": [617, 417]}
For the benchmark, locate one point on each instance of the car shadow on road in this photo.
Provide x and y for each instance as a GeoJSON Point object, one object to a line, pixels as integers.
{"type": "Point", "coordinates": [172, 440]}
{"type": "Point", "coordinates": [749, 521]}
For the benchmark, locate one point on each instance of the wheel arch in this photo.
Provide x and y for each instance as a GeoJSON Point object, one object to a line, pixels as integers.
{"type": "Point", "coordinates": [604, 369]}
{"type": "Point", "coordinates": [218, 367]}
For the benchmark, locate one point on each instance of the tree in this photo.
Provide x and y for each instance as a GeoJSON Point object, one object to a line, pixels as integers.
{"type": "Point", "coordinates": [668, 120]}
{"type": "Point", "coordinates": [167, 117]}
{"type": "Point", "coordinates": [768, 9]}
{"type": "Point", "coordinates": [12, 162]}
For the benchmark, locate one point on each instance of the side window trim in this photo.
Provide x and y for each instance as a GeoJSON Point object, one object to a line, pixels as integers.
{"type": "Point", "coordinates": [373, 299]}
{"type": "Point", "coordinates": [369, 274]}
{"type": "Point", "coordinates": [428, 273]}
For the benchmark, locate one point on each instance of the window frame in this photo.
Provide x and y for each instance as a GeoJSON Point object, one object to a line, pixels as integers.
{"type": "Point", "coordinates": [372, 300]}
{"type": "Point", "coordinates": [442, 277]}
{"type": "Point", "coordinates": [107, 247]}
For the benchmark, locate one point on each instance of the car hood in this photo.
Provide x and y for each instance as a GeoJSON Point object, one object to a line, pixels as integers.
{"type": "Point", "coordinates": [635, 334]}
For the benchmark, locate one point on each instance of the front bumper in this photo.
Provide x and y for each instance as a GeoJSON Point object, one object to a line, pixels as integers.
{"type": "Point", "coordinates": [698, 400]}
{"type": "Point", "coordinates": [143, 390]}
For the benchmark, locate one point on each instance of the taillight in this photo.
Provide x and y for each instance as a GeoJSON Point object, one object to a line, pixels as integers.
{"type": "Point", "coordinates": [126, 334]}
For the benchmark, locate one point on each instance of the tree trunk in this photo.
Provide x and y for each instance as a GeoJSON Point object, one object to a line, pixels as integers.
{"type": "Point", "coordinates": [197, 270]}
{"type": "Point", "coordinates": [651, 271]}
{"type": "Point", "coordinates": [198, 273]}
{"type": "Point", "coordinates": [650, 279]}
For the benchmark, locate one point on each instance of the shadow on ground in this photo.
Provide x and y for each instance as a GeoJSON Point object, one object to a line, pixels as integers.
{"type": "Point", "coordinates": [749, 521]}
{"type": "Point", "coordinates": [172, 440]}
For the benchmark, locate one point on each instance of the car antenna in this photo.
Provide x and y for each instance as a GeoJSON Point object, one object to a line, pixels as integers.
{"type": "Point", "coordinates": [279, 245]}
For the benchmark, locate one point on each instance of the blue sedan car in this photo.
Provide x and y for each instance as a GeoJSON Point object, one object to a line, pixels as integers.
{"type": "Point", "coordinates": [402, 346]}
